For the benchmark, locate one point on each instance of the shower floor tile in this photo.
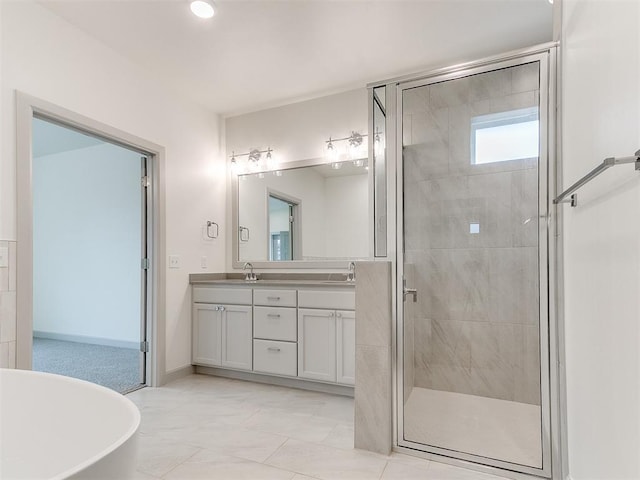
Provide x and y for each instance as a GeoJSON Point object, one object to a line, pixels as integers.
{"type": "Point", "coordinates": [497, 429]}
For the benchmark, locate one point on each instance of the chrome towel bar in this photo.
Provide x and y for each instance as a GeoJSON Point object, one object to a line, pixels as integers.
{"type": "Point", "coordinates": [606, 163]}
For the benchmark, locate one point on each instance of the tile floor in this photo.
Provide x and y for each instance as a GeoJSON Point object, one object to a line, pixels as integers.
{"type": "Point", "coordinates": [203, 427]}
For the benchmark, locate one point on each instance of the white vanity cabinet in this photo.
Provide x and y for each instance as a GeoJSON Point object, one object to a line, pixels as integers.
{"type": "Point", "coordinates": [275, 331]}
{"type": "Point", "coordinates": [304, 332]}
{"type": "Point", "coordinates": [222, 331]}
{"type": "Point", "coordinates": [326, 336]}
{"type": "Point", "coordinates": [346, 347]}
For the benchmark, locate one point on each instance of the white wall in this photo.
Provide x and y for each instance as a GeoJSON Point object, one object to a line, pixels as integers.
{"type": "Point", "coordinates": [48, 58]}
{"type": "Point", "coordinates": [87, 240]}
{"type": "Point", "coordinates": [297, 131]}
{"type": "Point", "coordinates": [347, 216]}
{"type": "Point", "coordinates": [601, 118]}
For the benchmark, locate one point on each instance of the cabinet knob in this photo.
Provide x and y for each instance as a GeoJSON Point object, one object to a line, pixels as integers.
{"type": "Point", "coordinates": [339, 315]}
{"type": "Point", "coordinates": [331, 314]}
{"type": "Point", "coordinates": [275, 299]}
{"type": "Point", "coordinates": [273, 315]}
{"type": "Point", "coordinates": [273, 349]}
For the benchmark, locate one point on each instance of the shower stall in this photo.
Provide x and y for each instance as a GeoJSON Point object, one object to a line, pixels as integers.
{"type": "Point", "coordinates": [473, 157]}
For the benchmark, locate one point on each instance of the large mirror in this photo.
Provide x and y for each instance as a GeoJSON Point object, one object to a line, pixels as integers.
{"type": "Point", "coordinates": [308, 211]}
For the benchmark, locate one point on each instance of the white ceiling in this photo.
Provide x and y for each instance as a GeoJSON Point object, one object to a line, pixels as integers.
{"type": "Point", "coordinates": [259, 53]}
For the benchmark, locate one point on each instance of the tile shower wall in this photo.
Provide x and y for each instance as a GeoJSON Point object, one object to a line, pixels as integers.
{"type": "Point", "coordinates": [8, 316]}
{"type": "Point", "coordinates": [475, 326]}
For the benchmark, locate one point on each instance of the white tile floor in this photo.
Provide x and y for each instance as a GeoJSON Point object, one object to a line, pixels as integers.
{"type": "Point", "coordinates": [204, 427]}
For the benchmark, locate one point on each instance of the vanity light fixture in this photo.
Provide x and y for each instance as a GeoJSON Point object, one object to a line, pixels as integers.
{"type": "Point", "coordinates": [354, 151]}
{"type": "Point", "coordinates": [254, 161]}
{"type": "Point", "coordinates": [332, 151]}
{"type": "Point", "coordinates": [202, 8]}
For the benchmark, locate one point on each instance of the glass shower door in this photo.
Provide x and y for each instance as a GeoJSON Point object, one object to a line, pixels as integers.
{"type": "Point", "coordinates": [473, 191]}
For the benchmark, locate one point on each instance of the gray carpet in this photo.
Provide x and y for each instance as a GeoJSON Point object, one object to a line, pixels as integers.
{"type": "Point", "coordinates": [112, 367]}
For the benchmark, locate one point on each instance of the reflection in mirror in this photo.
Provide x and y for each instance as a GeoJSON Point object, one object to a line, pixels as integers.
{"type": "Point", "coordinates": [379, 172]}
{"type": "Point", "coordinates": [282, 217]}
{"type": "Point", "coordinates": [309, 213]}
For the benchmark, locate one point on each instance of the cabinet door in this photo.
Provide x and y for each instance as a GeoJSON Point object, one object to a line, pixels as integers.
{"type": "Point", "coordinates": [346, 344]}
{"type": "Point", "coordinates": [237, 337]}
{"type": "Point", "coordinates": [207, 334]}
{"type": "Point", "coordinates": [317, 344]}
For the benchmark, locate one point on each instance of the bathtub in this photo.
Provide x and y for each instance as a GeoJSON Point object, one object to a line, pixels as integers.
{"type": "Point", "coordinates": [54, 427]}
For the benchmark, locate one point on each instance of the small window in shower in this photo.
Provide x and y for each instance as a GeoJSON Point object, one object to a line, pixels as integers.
{"type": "Point", "coordinates": [505, 136]}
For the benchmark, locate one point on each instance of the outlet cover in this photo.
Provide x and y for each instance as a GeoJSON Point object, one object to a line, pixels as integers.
{"type": "Point", "coordinates": [174, 261]}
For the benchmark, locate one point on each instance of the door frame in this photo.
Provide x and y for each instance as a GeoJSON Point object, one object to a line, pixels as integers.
{"type": "Point", "coordinates": [26, 107]}
{"type": "Point", "coordinates": [551, 334]}
{"type": "Point", "coordinates": [296, 231]}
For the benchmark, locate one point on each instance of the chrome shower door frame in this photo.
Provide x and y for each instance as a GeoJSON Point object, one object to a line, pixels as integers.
{"type": "Point", "coordinates": [545, 55]}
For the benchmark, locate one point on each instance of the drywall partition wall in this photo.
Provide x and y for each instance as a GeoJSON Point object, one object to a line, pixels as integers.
{"type": "Point", "coordinates": [87, 244]}
{"type": "Point", "coordinates": [297, 131]}
{"type": "Point", "coordinates": [601, 118]}
{"type": "Point", "coordinates": [7, 274]}
{"type": "Point", "coordinates": [48, 58]}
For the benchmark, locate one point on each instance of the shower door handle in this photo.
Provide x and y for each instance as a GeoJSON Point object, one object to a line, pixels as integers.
{"type": "Point", "coordinates": [410, 291]}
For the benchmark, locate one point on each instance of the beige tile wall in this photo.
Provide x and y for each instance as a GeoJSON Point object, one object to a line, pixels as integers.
{"type": "Point", "coordinates": [8, 316]}
{"type": "Point", "coordinates": [373, 390]}
{"type": "Point", "coordinates": [475, 326]}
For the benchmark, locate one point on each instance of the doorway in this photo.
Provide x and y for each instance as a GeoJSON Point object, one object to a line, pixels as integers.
{"type": "Point", "coordinates": [90, 212]}
{"type": "Point", "coordinates": [473, 317]}
{"type": "Point", "coordinates": [283, 227]}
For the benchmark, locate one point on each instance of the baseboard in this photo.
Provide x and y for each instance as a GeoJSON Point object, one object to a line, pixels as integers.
{"type": "Point", "coordinates": [107, 342]}
{"type": "Point", "coordinates": [275, 380]}
{"type": "Point", "coordinates": [178, 373]}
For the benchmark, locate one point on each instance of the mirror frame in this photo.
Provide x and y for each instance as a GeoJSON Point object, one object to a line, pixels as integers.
{"type": "Point", "coordinates": [291, 264]}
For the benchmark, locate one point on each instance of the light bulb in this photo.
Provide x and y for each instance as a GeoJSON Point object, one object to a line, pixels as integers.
{"type": "Point", "coordinates": [271, 162]}
{"type": "Point", "coordinates": [332, 151]}
{"type": "Point", "coordinates": [235, 169]}
{"type": "Point", "coordinates": [202, 9]}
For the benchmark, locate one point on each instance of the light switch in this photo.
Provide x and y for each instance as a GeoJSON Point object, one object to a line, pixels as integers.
{"type": "Point", "coordinates": [174, 261]}
{"type": "Point", "coordinates": [203, 262]}
{"type": "Point", "coordinates": [4, 257]}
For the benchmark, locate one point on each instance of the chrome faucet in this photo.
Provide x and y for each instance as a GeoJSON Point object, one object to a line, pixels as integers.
{"type": "Point", "coordinates": [351, 276]}
{"type": "Point", "coordinates": [250, 276]}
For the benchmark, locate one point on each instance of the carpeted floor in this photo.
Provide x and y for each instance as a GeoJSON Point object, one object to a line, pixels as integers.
{"type": "Point", "coordinates": [112, 367]}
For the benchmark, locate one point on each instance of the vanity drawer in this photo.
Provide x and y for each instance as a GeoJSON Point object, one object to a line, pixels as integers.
{"type": "Point", "coordinates": [275, 323]}
{"type": "Point", "coordinates": [332, 299]}
{"type": "Point", "coordinates": [234, 296]}
{"type": "Point", "coordinates": [280, 358]}
{"type": "Point", "coordinates": [276, 298]}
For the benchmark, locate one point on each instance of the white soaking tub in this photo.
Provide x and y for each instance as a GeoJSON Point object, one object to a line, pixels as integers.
{"type": "Point", "coordinates": [55, 427]}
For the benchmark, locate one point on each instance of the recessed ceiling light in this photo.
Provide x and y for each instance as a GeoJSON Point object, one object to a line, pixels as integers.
{"type": "Point", "coordinates": [202, 8]}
